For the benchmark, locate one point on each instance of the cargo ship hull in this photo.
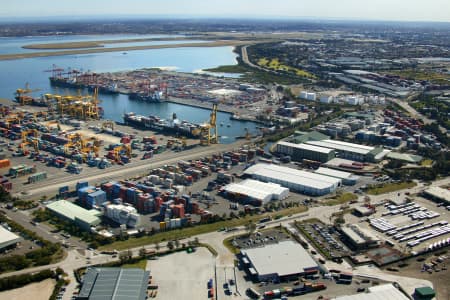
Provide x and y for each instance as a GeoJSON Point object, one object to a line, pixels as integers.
{"type": "Point", "coordinates": [160, 125]}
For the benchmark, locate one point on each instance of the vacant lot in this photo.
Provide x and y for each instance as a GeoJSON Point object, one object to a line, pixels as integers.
{"type": "Point", "coordinates": [390, 187]}
{"type": "Point", "coordinates": [36, 291]}
{"type": "Point", "coordinates": [183, 276]}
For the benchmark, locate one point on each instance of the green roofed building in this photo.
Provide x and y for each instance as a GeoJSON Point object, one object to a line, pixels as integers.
{"type": "Point", "coordinates": [409, 158]}
{"type": "Point", "coordinates": [114, 284]}
{"type": "Point", "coordinates": [303, 137]}
{"type": "Point", "coordinates": [71, 212]}
{"type": "Point", "coordinates": [424, 293]}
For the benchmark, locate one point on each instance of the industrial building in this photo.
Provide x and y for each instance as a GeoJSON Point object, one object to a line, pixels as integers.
{"type": "Point", "coordinates": [295, 180]}
{"type": "Point", "coordinates": [349, 150]}
{"type": "Point", "coordinates": [298, 152]}
{"type": "Point", "coordinates": [380, 292]}
{"type": "Point", "coordinates": [346, 177]}
{"type": "Point", "coordinates": [256, 191]}
{"type": "Point", "coordinates": [123, 214]}
{"type": "Point", "coordinates": [283, 260]}
{"type": "Point", "coordinates": [70, 212]}
{"type": "Point", "coordinates": [438, 194]}
{"type": "Point", "coordinates": [358, 238]}
{"type": "Point", "coordinates": [114, 284]}
{"type": "Point", "coordinates": [405, 157]}
{"type": "Point", "coordinates": [8, 239]}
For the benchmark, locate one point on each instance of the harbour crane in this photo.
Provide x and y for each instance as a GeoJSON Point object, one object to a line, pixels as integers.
{"type": "Point", "coordinates": [22, 94]}
{"type": "Point", "coordinates": [208, 131]}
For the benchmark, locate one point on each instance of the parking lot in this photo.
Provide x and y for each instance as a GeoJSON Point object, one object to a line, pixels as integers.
{"type": "Point", "coordinates": [260, 238]}
{"type": "Point", "coordinates": [324, 237]}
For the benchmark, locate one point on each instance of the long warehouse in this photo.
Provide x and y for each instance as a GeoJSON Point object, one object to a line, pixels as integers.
{"type": "Point", "coordinates": [304, 151]}
{"type": "Point", "coordinates": [349, 150]}
{"type": "Point", "coordinates": [296, 180]}
{"type": "Point", "coordinates": [257, 191]}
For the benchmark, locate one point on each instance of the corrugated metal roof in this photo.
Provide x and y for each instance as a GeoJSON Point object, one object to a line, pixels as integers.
{"type": "Point", "coordinates": [72, 211]}
{"type": "Point", "coordinates": [7, 237]}
{"type": "Point", "coordinates": [438, 192]}
{"type": "Point", "coordinates": [257, 189]}
{"type": "Point", "coordinates": [114, 284]}
{"type": "Point", "coordinates": [293, 176]}
{"type": "Point", "coordinates": [307, 147]}
{"type": "Point", "coordinates": [283, 258]}
{"type": "Point", "coordinates": [343, 146]}
{"type": "Point", "coordinates": [333, 173]}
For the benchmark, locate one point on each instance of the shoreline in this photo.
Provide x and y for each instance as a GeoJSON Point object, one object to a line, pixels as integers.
{"type": "Point", "coordinates": [98, 43]}
{"type": "Point", "coordinates": [123, 49]}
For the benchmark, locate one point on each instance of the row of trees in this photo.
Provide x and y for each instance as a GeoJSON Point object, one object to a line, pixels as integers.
{"type": "Point", "coordinates": [18, 281]}
{"type": "Point", "coordinates": [38, 257]}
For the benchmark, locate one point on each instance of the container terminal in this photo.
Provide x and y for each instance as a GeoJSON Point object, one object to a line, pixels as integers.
{"type": "Point", "coordinates": [156, 85]}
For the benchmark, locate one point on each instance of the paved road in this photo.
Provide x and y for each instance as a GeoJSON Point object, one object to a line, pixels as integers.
{"type": "Point", "coordinates": [225, 260]}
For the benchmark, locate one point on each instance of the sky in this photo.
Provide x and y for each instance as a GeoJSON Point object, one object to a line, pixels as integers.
{"type": "Point", "coordinates": [395, 10]}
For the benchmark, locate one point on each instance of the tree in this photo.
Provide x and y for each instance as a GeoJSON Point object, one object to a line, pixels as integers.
{"type": "Point", "coordinates": [142, 252]}
{"type": "Point", "coordinates": [250, 227]}
{"type": "Point", "coordinates": [170, 245]}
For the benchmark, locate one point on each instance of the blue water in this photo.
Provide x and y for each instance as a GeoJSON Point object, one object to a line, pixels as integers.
{"type": "Point", "coordinates": [16, 73]}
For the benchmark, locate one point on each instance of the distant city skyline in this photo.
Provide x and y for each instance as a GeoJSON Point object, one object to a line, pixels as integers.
{"type": "Point", "coordinates": [393, 10]}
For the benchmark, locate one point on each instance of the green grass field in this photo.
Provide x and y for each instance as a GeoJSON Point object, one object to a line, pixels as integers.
{"type": "Point", "coordinates": [390, 187]}
{"type": "Point", "coordinates": [139, 264]}
{"type": "Point", "coordinates": [193, 231]}
{"type": "Point", "coordinates": [340, 199]}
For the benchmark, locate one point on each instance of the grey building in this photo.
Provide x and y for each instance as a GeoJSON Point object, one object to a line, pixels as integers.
{"type": "Point", "coordinates": [298, 152]}
{"type": "Point", "coordinates": [114, 284]}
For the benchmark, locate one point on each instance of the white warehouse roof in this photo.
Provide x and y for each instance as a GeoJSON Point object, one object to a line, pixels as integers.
{"type": "Point", "coordinates": [381, 292]}
{"type": "Point", "coordinates": [72, 211]}
{"type": "Point", "coordinates": [293, 176]}
{"type": "Point", "coordinates": [343, 146]}
{"type": "Point", "coordinates": [258, 190]}
{"type": "Point", "coordinates": [333, 173]}
{"type": "Point", "coordinates": [306, 147]}
{"type": "Point", "coordinates": [284, 258]}
{"type": "Point", "coordinates": [438, 192]}
{"type": "Point", "coordinates": [8, 238]}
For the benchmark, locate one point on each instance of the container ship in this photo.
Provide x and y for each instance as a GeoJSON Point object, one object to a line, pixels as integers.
{"type": "Point", "coordinates": [174, 126]}
{"type": "Point", "coordinates": [156, 96]}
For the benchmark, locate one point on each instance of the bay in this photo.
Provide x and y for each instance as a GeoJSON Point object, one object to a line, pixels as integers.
{"type": "Point", "coordinates": [16, 73]}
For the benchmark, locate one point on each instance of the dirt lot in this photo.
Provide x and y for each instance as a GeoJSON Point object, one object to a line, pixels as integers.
{"type": "Point", "coordinates": [439, 279]}
{"type": "Point", "coordinates": [182, 275]}
{"type": "Point", "coordinates": [36, 291]}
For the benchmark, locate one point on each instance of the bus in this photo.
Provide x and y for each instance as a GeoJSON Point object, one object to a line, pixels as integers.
{"type": "Point", "coordinates": [252, 293]}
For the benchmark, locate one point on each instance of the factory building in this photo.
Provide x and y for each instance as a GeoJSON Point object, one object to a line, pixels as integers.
{"type": "Point", "coordinates": [438, 194]}
{"type": "Point", "coordinates": [123, 214]}
{"type": "Point", "coordinates": [297, 152]}
{"type": "Point", "coordinates": [346, 177]}
{"type": "Point", "coordinates": [358, 238]}
{"type": "Point", "coordinates": [68, 211]}
{"type": "Point", "coordinates": [295, 180]}
{"type": "Point", "coordinates": [349, 150]}
{"type": "Point", "coordinates": [279, 261]}
{"type": "Point", "coordinates": [114, 284]}
{"type": "Point", "coordinates": [256, 192]}
{"type": "Point", "coordinates": [8, 239]}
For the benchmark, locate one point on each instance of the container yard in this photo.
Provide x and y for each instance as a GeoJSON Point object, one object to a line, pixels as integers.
{"type": "Point", "coordinates": [154, 85]}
